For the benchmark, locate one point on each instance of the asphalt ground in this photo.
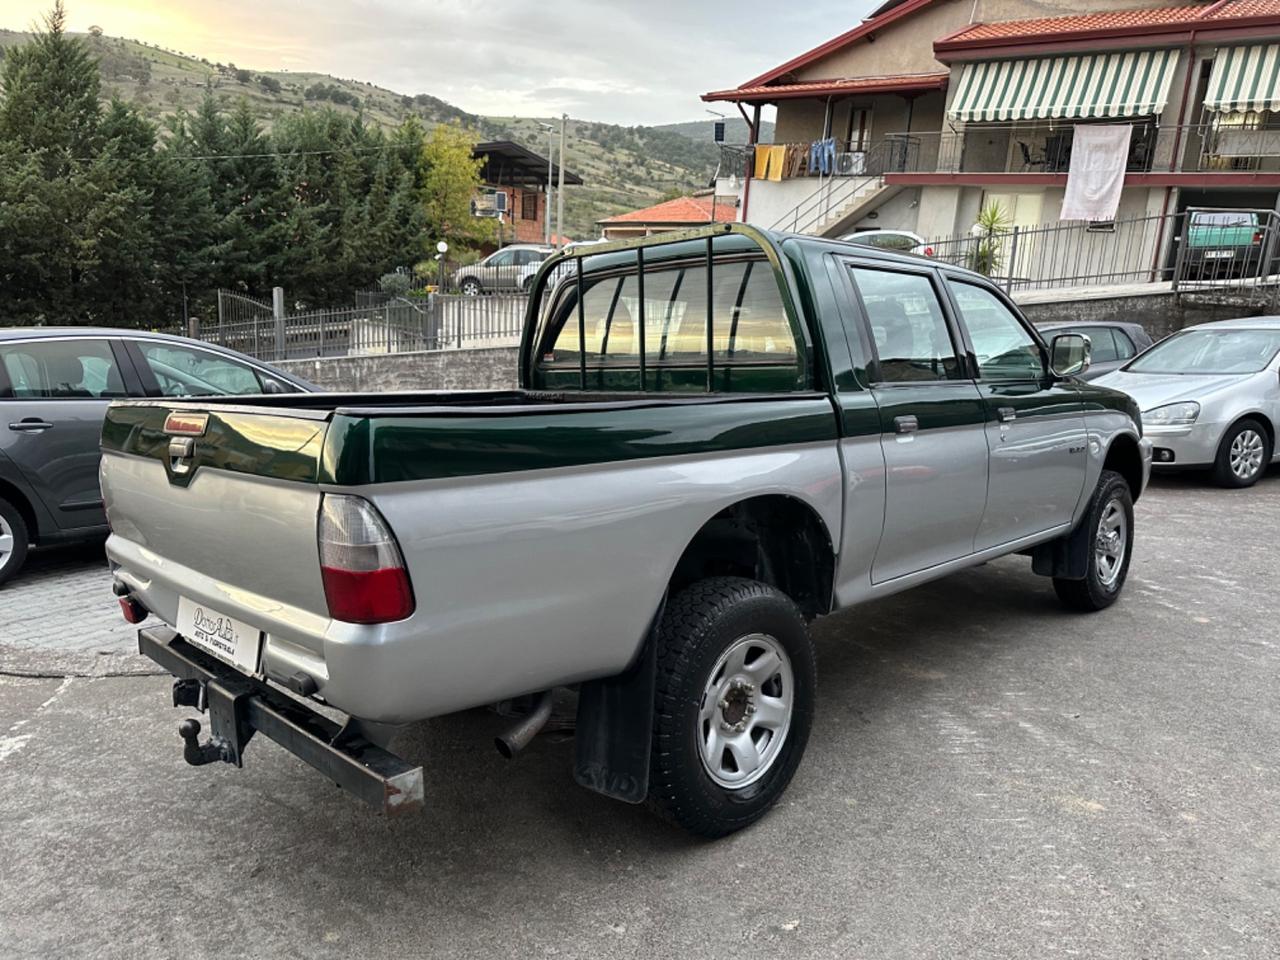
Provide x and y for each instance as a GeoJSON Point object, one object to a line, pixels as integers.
{"type": "Point", "coordinates": [989, 776]}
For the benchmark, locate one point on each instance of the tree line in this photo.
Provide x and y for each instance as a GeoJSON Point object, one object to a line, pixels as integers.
{"type": "Point", "coordinates": [107, 218]}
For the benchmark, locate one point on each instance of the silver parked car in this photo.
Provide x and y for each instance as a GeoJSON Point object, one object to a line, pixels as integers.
{"type": "Point", "coordinates": [1210, 397]}
{"type": "Point", "coordinates": [499, 272]}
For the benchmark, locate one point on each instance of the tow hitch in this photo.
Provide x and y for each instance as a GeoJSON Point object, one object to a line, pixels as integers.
{"type": "Point", "coordinates": [239, 707]}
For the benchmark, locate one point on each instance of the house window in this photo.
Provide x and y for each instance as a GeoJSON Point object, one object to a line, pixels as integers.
{"type": "Point", "coordinates": [529, 205]}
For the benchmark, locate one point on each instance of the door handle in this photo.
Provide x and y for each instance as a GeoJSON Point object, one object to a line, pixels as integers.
{"type": "Point", "coordinates": [30, 425]}
{"type": "Point", "coordinates": [906, 424]}
{"type": "Point", "coordinates": [1007, 414]}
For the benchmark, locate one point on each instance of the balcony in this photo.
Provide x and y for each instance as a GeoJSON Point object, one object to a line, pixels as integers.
{"type": "Point", "coordinates": [1040, 148]}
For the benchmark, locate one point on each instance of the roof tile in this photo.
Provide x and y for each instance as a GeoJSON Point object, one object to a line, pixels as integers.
{"type": "Point", "coordinates": [681, 210]}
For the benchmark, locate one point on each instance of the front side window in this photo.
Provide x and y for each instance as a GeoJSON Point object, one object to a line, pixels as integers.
{"type": "Point", "coordinates": [62, 369]}
{"type": "Point", "coordinates": [907, 326]}
{"type": "Point", "coordinates": [182, 371]}
{"type": "Point", "coordinates": [1004, 348]}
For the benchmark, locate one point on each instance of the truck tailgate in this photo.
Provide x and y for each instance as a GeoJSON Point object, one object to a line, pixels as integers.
{"type": "Point", "coordinates": [232, 526]}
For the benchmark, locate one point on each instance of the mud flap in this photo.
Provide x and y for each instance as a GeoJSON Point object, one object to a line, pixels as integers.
{"type": "Point", "coordinates": [615, 727]}
{"type": "Point", "coordinates": [1066, 558]}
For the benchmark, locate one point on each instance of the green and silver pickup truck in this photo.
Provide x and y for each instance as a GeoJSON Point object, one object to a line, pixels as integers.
{"type": "Point", "coordinates": [719, 435]}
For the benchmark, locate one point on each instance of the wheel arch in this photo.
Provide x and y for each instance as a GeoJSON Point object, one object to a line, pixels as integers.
{"type": "Point", "coordinates": [1259, 416]}
{"type": "Point", "coordinates": [775, 538]}
{"type": "Point", "coordinates": [1125, 458]}
{"type": "Point", "coordinates": [15, 496]}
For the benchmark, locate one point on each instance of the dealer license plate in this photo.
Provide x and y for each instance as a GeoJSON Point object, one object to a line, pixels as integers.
{"type": "Point", "coordinates": [230, 640]}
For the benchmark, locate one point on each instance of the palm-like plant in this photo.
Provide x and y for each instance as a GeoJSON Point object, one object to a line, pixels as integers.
{"type": "Point", "coordinates": [986, 256]}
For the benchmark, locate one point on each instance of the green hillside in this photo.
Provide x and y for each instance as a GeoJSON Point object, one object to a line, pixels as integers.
{"type": "Point", "coordinates": [735, 130]}
{"type": "Point", "coordinates": [624, 167]}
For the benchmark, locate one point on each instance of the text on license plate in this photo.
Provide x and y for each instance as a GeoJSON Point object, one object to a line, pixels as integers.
{"type": "Point", "coordinates": [1219, 254]}
{"type": "Point", "coordinates": [230, 640]}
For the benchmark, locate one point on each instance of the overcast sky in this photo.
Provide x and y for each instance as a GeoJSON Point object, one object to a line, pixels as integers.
{"type": "Point", "coordinates": [621, 61]}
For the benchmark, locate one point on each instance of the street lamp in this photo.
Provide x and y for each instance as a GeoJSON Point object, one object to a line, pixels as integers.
{"type": "Point", "coordinates": [442, 248]}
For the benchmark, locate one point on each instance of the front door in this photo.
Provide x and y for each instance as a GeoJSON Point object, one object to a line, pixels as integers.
{"type": "Point", "coordinates": [51, 415]}
{"type": "Point", "coordinates": [931, 423]}
{"type": "Point", "coordinates": [1035, 424]}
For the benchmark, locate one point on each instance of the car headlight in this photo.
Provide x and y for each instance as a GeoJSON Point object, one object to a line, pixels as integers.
{"type": "Point", "coordinates": [1172, 415]}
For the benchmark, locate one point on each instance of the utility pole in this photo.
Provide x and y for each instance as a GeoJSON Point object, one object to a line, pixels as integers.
{"type": "Point", "coordinates": [560, 189]}
{"type": "Point", "coordinates": [551, 153]}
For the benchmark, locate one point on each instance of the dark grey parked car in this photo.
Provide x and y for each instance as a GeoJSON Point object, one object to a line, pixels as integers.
{"type": "Point", "coordinates": [1114, 343]}
{"type": "Point", "coordinates": [55, 385]}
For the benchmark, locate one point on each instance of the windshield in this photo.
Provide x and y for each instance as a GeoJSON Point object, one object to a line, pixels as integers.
{"type": "Point", "coordinates": [1210, 351]}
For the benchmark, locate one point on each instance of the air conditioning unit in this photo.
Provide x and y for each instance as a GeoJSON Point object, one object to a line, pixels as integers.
{"type": "Point", "coordinates": [851, 164]}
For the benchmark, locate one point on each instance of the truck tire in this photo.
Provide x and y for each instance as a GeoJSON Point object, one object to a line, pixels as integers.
{"type": "Point", "coordinates": [1243, 455]}
{"type": "Point", "coordinates": [13, 540]}
{"type": "Point", "coordinates": [733, 704]}
{"type": "Point", "coordinates": [1108, 529]}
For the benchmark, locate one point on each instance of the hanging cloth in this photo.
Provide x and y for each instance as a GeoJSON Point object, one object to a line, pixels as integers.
{"type": "Point", "coordinates": [1099, 154]}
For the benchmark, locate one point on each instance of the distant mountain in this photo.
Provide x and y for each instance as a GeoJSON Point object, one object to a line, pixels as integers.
{"type": "Point", "coordinates": [624, 167]}
{"type": "Point", "coordinates": [735, 130]}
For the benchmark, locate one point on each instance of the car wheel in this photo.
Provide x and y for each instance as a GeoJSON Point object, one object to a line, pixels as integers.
{"type": "Point", "coordinates": [733, 704]}
{"type": "Point", "coordinates": [14, 540]}
{"type": "Point", "coordinates": [1107, 530]}
{"type": "Point", "coordinates": [470, 287]}
{"type": "Point", "coordinates": [1243, 455]}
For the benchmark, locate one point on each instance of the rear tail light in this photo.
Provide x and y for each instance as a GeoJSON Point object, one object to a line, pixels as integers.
{"type": "Point", "coordinates": [1257, 236]}
{"type": "Point", "coordinates": [365, 580]}
{"type": "Point", "coordinates": [133, 611]}
{"type": "Point", "coordinates": [928, 251]}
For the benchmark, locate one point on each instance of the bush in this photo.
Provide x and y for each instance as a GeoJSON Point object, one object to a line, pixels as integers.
{"type": "Point", "coordinates": [396, 284]}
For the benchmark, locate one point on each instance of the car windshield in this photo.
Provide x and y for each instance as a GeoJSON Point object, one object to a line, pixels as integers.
{"type": "Point", "coordinates": [1210, 351]}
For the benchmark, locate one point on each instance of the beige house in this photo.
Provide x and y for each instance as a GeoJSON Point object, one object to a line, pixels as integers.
{"type": "Point", "coordinates": [938, 107]}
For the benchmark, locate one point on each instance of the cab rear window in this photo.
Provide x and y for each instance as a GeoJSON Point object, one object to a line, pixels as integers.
{"type": "Point", "coordinates": [752, 343]}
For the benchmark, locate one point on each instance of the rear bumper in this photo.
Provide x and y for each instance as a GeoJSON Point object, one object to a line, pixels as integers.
{"type": "Point", "coordinates": [240, 707]}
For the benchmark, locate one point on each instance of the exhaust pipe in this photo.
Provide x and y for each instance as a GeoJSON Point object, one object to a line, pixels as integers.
{"type": "Point", "coordinates": [521, 734]}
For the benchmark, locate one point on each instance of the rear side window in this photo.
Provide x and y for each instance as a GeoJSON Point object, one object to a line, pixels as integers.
{"type": "Point", "coordinates": [61, 370]}
{"type": "Point", "coordinates": [908, 327]}
{"type": "Point", "coordinates": [1124, 346]}
{"type": "Point", "coordinates": [749, 326]}
{"type": "Point", "coordinates": [182, 371]}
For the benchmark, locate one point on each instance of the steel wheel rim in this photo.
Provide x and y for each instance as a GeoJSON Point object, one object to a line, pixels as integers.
{"type": "Point", "coordinates": [745, 712]}
{"type": "Point", "coordinates": [6, 542]}
{"type": "Point", "coordinates": [1246, 454]}
{"type": "Point", "coordinates": [1111, 543]}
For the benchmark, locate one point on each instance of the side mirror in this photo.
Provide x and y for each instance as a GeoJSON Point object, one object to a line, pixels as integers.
{"type": "Point", "coordinates": [1070, 355]}
{"type": "Point", "coordinates": [272, 386]}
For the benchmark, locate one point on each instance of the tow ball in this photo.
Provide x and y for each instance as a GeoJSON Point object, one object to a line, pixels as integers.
{"type": "Point", "coordinates": [198, 754]}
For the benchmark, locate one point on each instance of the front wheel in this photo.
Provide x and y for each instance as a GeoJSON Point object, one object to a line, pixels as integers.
{"type": "Point", "coordinates": [1108, 529]}
{"type": "Point", "coordinates": [13, 540]}
{"type": "Point", "coordinates": [470, 287]}
{"type": "Point", "coordinates": [1243, 455]}
{"type": "Point", "coordinates": [733, 704]}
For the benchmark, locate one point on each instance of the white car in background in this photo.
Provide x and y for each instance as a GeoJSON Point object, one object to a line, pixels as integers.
{"type": "Point", "coordinates": [904, 241]}
{"type": "Point", "coordinates": [1210, 397]}
{"type": "Point", "coordinates": [525, 280]}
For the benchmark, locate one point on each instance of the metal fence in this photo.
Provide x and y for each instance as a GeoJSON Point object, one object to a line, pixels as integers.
{"type": "Point", "coordinates": [1229, 253]}
{"type": "Point", "coordinates": [377, 324]}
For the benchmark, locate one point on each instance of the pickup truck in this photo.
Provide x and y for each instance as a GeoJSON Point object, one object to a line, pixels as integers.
{"type": "Point", "coordinates": [719, 435]}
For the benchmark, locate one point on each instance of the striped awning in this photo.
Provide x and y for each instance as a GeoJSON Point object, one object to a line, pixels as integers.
{"type": "Point", "coordinates": [1132, 83]}
{"type": "Point", "coordinates": [1244, 79]}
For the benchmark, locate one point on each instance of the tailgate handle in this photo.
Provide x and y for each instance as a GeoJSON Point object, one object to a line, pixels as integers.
{"type": "Point", "coordinates": [30, 425]}
{"type": "Point", "coordinates": [181, 449]}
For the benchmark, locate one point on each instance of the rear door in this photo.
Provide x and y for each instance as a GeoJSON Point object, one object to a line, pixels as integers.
{"type": "Point", "coordinates": [51, 417]}
{"type": "Point", "coordinates": [1034, 423]}
{"type": "Point", "coordinates": [931, 422]}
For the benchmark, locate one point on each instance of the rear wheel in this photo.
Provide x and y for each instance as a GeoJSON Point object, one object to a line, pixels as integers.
{"type": "Point", "coordinates": [470, 287]}
{"type": "Point", "coordinates": [1108, 532]}
{"type": "Point", "coordinates": [1243, 455]}
{"type": "Point", "coordinates": [13, 540]}
{"type": "Point", "coordinates": [733, 706]}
